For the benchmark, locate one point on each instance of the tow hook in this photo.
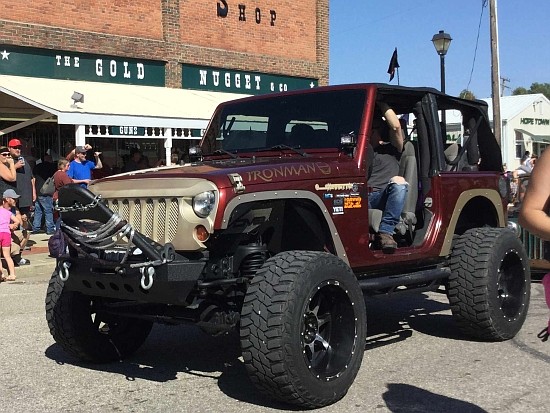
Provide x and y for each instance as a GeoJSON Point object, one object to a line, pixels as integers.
{"type": "Point", "coordinates": [63, 271]}
{"type": "Point", "coordinates": [147, 272]}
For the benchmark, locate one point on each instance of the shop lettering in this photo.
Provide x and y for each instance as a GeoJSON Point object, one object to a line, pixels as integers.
{"type": "Point", "coordinates": [227, 80]}
{"type": "Point", "coordinates": [222, 10]}
{"type": "Point", "coordinates": [115, 69]}
{"type": "Point", "coordinates": [220, 79]}
{"type": "Point", "coordinates": [67, 61]}
{"type": "Point", "coordinates": [281, 87]}
{"type": "Point", "coordinates": [534, 121]}
{"type": "Point", "coordinates": [128, 130]}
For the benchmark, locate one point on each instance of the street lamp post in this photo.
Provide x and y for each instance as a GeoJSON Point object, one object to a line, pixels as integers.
{"type": "Point", "coordinates": [441, 42]}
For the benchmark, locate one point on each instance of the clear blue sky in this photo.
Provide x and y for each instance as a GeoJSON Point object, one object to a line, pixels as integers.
{"type": "Point", "coordinates": [364, 33]}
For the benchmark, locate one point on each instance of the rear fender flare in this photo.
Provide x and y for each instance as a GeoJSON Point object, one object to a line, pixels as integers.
{"type": "Point", "coordinates": [490, 194]}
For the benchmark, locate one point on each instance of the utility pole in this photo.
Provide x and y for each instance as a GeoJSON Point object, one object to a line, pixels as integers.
{"type": "Point", "coordinates": [495, 75]}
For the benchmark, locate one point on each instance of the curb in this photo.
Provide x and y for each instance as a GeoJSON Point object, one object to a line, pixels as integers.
{"type": "Point", "coordinates": [40, 264]}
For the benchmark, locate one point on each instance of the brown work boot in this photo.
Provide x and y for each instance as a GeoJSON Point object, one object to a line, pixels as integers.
{"type": "Point", "coordinates": [387, 243]}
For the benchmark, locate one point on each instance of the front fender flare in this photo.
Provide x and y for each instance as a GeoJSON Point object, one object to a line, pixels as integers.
{"type": "Point", "coordinates": [290, 195]}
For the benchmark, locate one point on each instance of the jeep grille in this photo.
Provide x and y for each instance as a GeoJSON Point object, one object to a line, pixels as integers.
{"type": "Point", "coordinates": [155, 218]}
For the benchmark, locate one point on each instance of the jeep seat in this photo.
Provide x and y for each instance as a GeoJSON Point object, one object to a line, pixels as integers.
{"type": "Point", "coordinates": [408, 170]}
{"type": "Point", "coordinates": [302, 135]}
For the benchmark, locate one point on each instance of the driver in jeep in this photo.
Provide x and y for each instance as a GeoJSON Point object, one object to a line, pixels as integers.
{"type": "Point", "coordinates": [387, 190]}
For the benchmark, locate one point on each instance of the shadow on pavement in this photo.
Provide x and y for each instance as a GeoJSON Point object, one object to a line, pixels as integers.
{"type": "Point", "coordinates": [394, 319]}
{"type": "Point", "coordinates": [406, 398]}
{"type": "Point", "coordinates": [173, 352]}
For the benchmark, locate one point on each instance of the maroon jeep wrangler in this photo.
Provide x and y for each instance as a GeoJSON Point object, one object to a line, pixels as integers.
{"type": "Point", "coordinates": [268, 231]}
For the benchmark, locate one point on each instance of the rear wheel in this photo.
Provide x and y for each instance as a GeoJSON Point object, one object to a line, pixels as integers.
{"type": "Point", "coordinates": [87, 333]}
{"type": "Point", "coordinates": [490, 284]}
{"type": "Point", "coordinates": [303, 328]}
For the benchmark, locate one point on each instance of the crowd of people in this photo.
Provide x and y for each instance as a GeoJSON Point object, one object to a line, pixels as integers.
{"type": "Point", "coordinates": [29, 197]}
{"type": "Point", "coordinates": [17, 185]}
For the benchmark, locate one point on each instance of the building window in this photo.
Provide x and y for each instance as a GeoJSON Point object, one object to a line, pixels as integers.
{"type": "Point", "coordinates": [520, 145]}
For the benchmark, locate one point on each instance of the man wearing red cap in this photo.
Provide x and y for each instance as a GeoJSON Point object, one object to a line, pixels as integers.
{"type": "Point", "coordinates": [24, 183]}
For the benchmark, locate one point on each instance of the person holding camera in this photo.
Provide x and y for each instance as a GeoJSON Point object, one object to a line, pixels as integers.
{"type": "Point", "coordinates": [80, 168]}
{"type": "Point", "coordinates": [8, 174]}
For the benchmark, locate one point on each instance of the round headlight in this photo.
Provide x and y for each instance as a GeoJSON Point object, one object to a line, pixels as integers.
{"type": "Point", "coordinates": [203, 203]}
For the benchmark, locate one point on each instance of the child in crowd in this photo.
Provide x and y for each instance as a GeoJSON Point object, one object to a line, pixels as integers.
{"type": "Point", "coordinates": [8, 221]}
{"type": "Point", "coordinates": [20, 236]}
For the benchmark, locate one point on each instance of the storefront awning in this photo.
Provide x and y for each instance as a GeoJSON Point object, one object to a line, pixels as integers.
{"type": "Point", "coordinates": [30, 99]}
{"type": "Point", "coordinates": [527, 135]}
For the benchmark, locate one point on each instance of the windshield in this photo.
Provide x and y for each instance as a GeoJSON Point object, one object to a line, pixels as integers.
{"type": "Point", "coordinates": [301, 121]}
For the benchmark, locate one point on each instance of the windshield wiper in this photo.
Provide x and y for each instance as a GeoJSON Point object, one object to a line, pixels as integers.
{"type": "Point", "coordinates": [226, 130]}
{"type": "Point", "coordinates": [282, 147]}
{"type": "Point", "coordinates": [224, 152]}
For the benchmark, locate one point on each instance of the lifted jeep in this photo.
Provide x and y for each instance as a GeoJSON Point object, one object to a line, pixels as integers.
{"type": "Point", "coordinates": [269, 232]}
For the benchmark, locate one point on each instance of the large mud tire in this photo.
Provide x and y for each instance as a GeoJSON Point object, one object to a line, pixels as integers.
{"type": "Point", "coordinates": [490, 283]}
{"type": "Point", "coordinates": [87, 334]}
{"type": "Point", "coordinates": [303, 328]}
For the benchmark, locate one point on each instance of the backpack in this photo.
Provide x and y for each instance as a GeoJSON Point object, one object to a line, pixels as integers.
{"type": "Point", "coordinates": [545, 333]}
{"type": "Point", "coordinates": [56, 244]}
{"type": "Point", "coordinates": [48, 188]}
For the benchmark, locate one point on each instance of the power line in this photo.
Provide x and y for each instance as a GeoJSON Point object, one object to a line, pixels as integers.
{"type": "Point", "coordinates": [483, 5]}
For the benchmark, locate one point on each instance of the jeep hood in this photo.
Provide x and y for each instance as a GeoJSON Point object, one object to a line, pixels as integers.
{"type": "Point", "coordinates": [252, 171]}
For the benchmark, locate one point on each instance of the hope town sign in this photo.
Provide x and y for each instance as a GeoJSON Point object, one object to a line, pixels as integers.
{"type": "Point", "coordinates": [534, 121]}
{"type": "Point", "coordinates": [52, 64]}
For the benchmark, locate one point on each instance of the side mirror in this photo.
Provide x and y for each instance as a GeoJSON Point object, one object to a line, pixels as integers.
{"type": "Point", "coordinates": [348, 142]}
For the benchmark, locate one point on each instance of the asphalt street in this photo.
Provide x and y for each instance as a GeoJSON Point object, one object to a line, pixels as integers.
{"type": "Point", "coordinates": [415, 361]}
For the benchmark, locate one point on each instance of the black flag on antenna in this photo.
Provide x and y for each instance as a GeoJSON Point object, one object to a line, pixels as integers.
{"type": "Point", "coordinates": [394, 64]}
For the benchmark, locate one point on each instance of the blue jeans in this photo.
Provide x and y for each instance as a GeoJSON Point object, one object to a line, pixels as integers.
{"type": "Point", "coordinates": [43, 207]}
{"type": "Point", "coordinates": [391, 201]}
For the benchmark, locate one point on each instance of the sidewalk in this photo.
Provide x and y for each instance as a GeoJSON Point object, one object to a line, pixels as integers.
{"type": "Point", "coordinates": [40, 261]}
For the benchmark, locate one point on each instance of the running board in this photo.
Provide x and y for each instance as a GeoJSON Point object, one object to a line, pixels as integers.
{"type": "Point", "coordinates": [424, 280]}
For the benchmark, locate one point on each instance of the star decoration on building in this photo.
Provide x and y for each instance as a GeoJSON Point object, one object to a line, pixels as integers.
{"type": "Point", "coordinates": [5, 55]}
{"type": "Point", "coordinates": [312, 85]}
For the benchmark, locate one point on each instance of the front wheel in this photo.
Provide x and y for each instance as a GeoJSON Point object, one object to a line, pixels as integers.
{"type": "Point", "coordinates": [79, 326]}
{"type": "Point", "coordinates": [490, 283]}
{"type": "Point", "coordinates": [303, 328]}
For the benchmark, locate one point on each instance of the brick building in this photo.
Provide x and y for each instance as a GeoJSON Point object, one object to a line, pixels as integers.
{"type": "Point", "coordinates": [123, 73]}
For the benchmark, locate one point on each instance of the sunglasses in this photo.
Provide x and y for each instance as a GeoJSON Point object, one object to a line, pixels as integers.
{"type": "Point", "coordinates": [16, 147]}
{"type": "Point", "coordinates": [5, 153]}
